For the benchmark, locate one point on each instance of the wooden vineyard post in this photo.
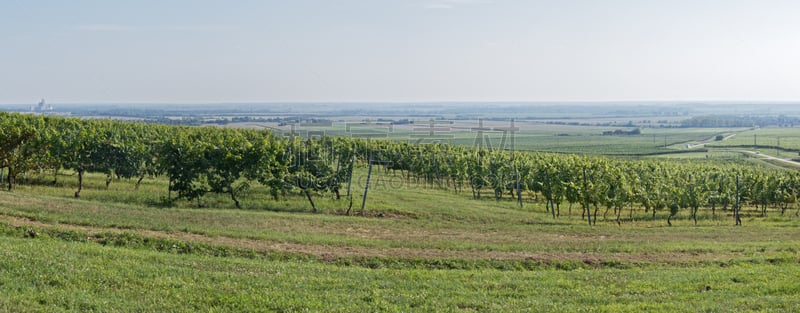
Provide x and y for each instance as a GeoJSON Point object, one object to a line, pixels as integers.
{"type": "Point", "coordinates": [549, 192]}
{"type": "Point", "coordinates": [350, 179]}
{"type": "Point", "coordinates": [586, 199]}
{"type": "Point", "coordinates": [349, 183]}
{"type": "Point", "coordinates": [366, 187]}
{"type": "Point", "coordinates": [519, 188]}
{"type": "Point", "coordinates": [737, 209]}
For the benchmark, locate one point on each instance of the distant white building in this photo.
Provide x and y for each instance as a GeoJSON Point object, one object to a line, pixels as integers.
{"type": "Point", "coordinates": [42, 107]}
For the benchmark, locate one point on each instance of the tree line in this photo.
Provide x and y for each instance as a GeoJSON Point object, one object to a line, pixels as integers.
{"type": "Point", "coordinates": [724, 121]}
{"type": "Point", "coordinates": [201, 160]}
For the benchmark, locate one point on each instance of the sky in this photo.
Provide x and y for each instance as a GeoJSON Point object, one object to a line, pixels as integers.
{"type": "Point", "coordinates": [201, 51]}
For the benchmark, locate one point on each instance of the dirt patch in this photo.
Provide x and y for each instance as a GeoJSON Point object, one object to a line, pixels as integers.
{"type": "Point", "coordinates": [378, 214]}
{"type": "Point", "coordinates": [334, 252]}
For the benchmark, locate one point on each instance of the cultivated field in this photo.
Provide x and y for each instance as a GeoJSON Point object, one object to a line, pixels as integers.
{"type": "Point", "coordinates": [579, 137]}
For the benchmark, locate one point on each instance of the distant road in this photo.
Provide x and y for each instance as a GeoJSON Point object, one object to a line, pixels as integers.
{"type": "Point", "coordinates": [769, 157]}
{"type": "Point", "coordinates": [707, 141]}
{"type": "Point", "coordinates": [757, 154]}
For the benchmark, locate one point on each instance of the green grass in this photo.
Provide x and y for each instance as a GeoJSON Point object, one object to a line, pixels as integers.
{"type": "Point", "coordinates": [48, 275]}
{"type": "Point", "coordinates": [789, 138]}
{"type": "Point", "coordinates": [714, 154]}
{"type": "Point", "coordinates": [418, 249]}
{"type": "Point", "coordinates": [416, 222]}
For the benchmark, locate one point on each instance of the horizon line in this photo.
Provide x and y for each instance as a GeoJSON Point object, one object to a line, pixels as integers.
{"type": "Point", "coordinates": [704, 101]}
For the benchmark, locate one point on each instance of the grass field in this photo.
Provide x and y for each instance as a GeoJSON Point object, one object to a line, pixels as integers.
{"type": "Point", "coordinates": [49, 275]}
{"type": "Point", "coordinates": [416, 249]}
{"type": "Point", "coordinates": [786, 138]}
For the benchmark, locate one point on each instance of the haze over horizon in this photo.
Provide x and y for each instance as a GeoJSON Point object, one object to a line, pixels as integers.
{"type": "Point", "coordinates": [398, 51]}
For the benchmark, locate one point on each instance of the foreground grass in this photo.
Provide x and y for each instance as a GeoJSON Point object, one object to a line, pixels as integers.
{"type": "Point", "coordinates": [423, 223]}
{"type": "Point", "coordinates": [39, 275]}
{"type": "Point", "coordinates": [416, 250]}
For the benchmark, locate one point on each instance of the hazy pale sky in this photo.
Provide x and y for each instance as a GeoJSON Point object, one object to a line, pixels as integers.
{"type": "Point", "coordinates": [398, 50]}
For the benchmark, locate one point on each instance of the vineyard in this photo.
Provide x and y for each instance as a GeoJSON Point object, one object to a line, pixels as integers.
{"type": "Point", "coordinates": [115, 216]}
{"type": "Point", "coordinates": [229, 162]}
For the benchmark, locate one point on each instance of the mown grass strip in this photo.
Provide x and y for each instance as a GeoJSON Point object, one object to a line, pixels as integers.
{"type": "Point", "coordinates": [139, 242]}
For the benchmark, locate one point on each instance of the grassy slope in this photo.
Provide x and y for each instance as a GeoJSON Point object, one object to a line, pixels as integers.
{"type": "Point", "coordinates": [549, 264]}
{"type": "Point", "coordinates": [47, 275]}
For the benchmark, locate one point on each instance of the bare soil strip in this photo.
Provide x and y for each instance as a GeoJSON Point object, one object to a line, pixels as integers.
{"type": "Point", "coordinates": [327, 252]}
